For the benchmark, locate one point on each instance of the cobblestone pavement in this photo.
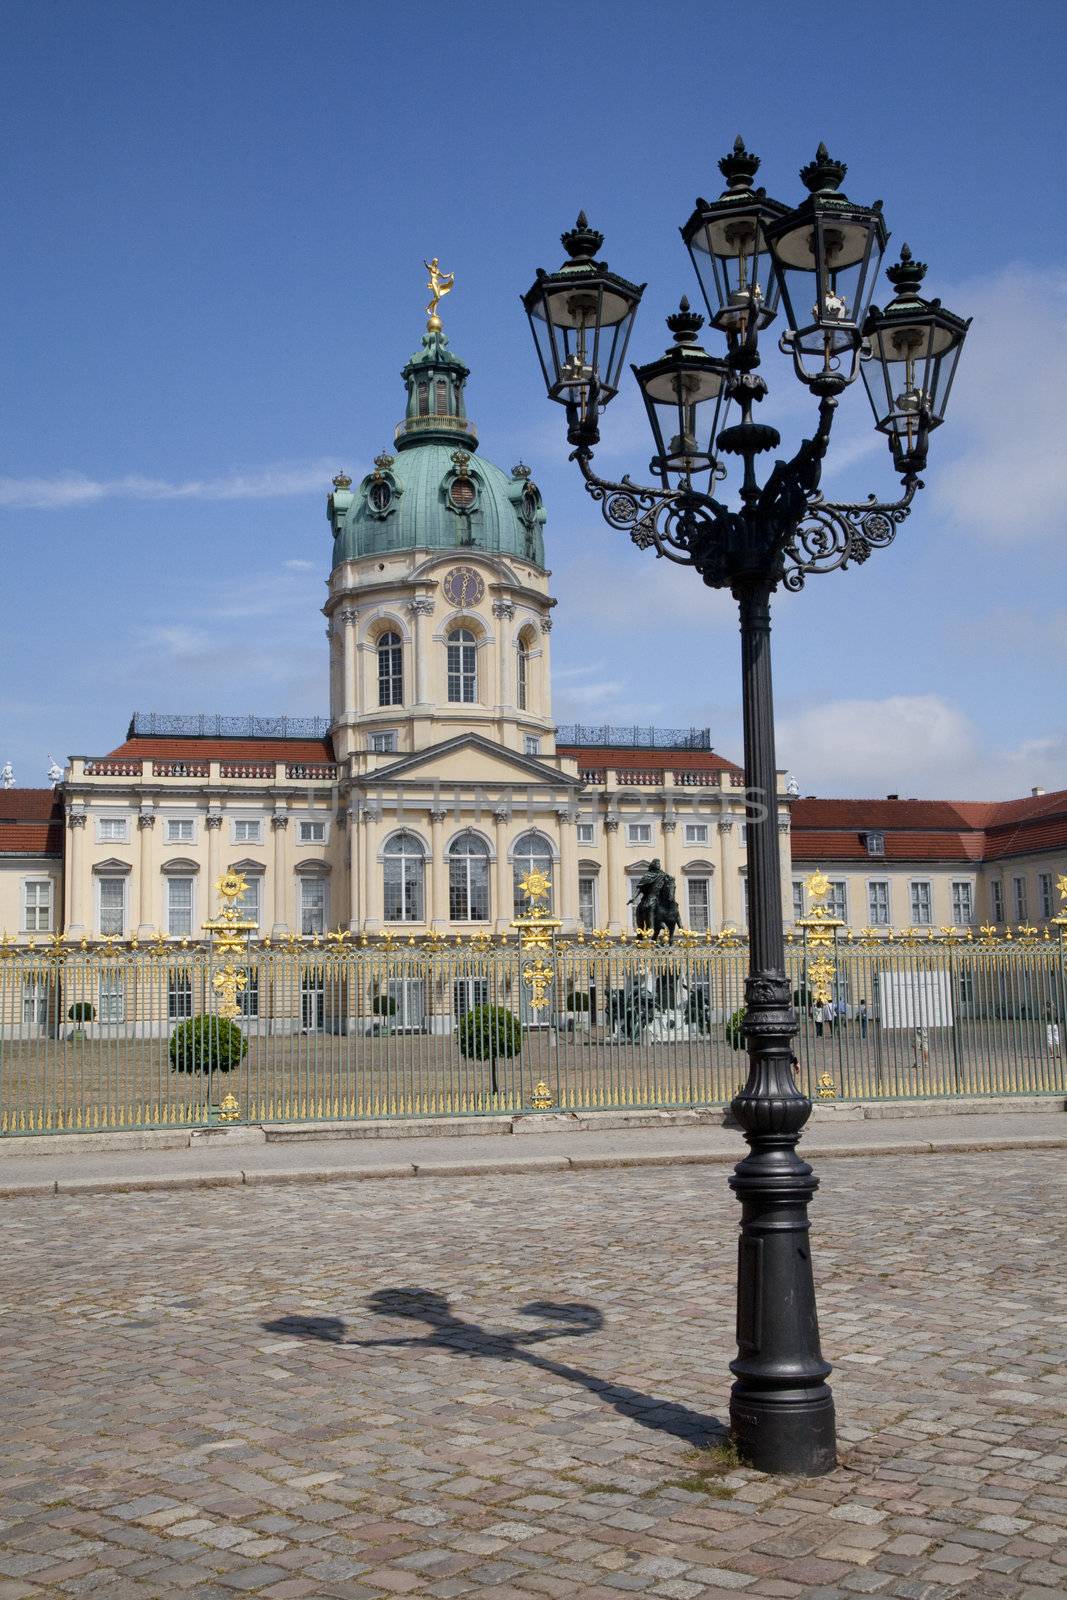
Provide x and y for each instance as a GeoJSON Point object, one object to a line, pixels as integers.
{"type": "Point", "coordinates": [500, 1386]}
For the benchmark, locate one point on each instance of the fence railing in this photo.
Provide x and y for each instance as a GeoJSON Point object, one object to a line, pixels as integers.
{"type": "Point", "coordinates": [105, 1036]}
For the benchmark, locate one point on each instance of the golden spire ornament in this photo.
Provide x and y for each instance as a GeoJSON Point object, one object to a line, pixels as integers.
{"type": "Point", "coordinates": [439, 284]}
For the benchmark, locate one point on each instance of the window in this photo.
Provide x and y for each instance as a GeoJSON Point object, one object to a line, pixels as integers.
{"type": "Point", "coordinates": [837, 904]}
{"type": "Point", "coordinates": [248, 997]}
{"type": "Point", "coordinates": [523, 675]}
{"type": "Point", "coordinates": [1044, 886]}
{"type": "Point", "coordinates": [468, 879]}
{"type": "Point", "coordinates": [922, 911]}
{"type": "Point", "coordinates": [441, 406]}
{"type": "Point", "coordinates": [462, 667]}
{"type": "Point", "coordinates": [37, 905]}
{"type": "Point", "coordinates": [34, 1002]}
{"type": "Point", "coordinates": [404, 875]}
{"type": "Point", "coordinates": [112, 830]}
{"type": "Point", "coordinates": [798, 899]}
{"type": "Point", "coordinates": [112, 893]}
{"type": "Point", "coordinates": [247, 831]}
{"type": "Point", "coordinates": [532, 853]}
{"type": "Point", "coordinates": [875, 844]}
{"type": "Point", "coordinates": [963, 904]}
{"type": "Point", "coordinates": [390, 670]}
{"type": "Point", "coordinates": [587, 902]}
{"type": "Point", "coordinates": [1019, 893]}
{"type": "Point", "coordinates": [532, 745]}
{"type": "Point", "coordinates": [180, 830]}
{"type": "Point", "coordinates": [996, 891]}
{"type": "Point", "coordinates": [744, 895]}
{"type": "Point", "coordinates": [698, 897]}
{"type": "Point", "coordinates": [878, 904]}
{"type": "Point", "coordinates": [383, 743]}
{"type": "Point", "coordinates": [424, 400]}
{"type": "Point", "coordinates": [312, 905]}
{"type": "Point", "coordinates": [639, 833]}
{"type": "Point", "coordinates": [381, 495]}
{"type": "Point", "coordinates": [179, 995]}
{"type": "Point", "coordinates": [247, 904]}
{"type": "Point", "coordinates": [696, 833]}
{"type": "Point", "coordinates": [179, 905]}
{"type": "Point", "coordinates": [111, 1005]}
{"type": "Point", "coordinates": [312, 832]}
{"type": "Point", "coordinates": [462, 493]}
{"type": "Point", "coordinates": [586, 832]}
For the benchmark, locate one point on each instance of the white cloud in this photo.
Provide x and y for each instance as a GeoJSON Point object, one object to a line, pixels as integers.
{"type": "Point", "coordinates": [300, 566]}
{"type": "Point", "coordinates": [74, 489]}
{"type": "Point", "coordinates": [911, 745]}
{"type": "Point", "coordinates": [1009, 480]}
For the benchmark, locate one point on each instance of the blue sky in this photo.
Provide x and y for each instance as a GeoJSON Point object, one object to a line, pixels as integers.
{"type": "Point", "coordinates": [215, 217]}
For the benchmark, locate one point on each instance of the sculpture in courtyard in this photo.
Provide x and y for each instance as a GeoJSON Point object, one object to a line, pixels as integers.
{"type": "Point", "coordinates": [656, 907]}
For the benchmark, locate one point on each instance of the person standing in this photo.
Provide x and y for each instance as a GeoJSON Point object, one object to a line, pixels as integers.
{"type": "Point", "coordinates": [863, 1019]}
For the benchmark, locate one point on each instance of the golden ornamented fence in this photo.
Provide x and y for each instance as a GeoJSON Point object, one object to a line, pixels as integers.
{"type": "Point", "coordinates": [365, 1026]}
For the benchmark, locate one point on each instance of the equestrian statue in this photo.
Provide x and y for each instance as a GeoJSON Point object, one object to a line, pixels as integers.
{"type": "Point", "coordinates": [656, 907]}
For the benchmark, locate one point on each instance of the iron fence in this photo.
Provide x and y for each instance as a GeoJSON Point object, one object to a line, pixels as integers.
{"type": "Point", "coordinates": [106, 1036]}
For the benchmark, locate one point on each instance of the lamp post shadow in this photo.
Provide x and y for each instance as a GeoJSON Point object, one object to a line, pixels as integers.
{"type": "Point", "coordinates": [452, 1333]}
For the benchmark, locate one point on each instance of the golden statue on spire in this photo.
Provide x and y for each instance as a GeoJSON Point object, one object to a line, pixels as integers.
{"type": "Point", "coordinates": [439, 284]}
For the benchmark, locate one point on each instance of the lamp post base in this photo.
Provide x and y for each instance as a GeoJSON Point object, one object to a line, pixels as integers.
{"type": "Point", "coordinates": [792, 1431]}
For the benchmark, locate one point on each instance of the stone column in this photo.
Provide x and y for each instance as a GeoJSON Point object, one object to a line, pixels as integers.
{"type": "Point", "coordinates": [421, 609]}
{"type": "Point", "coordinates": [349, 697]}
{"type": "Point", "coordinates": [567, 887]}
{"type": "Point", "coordinates": [213, 823]}
{"type": "Point", "coordinates": [731, 909]}
{"type": "Point", "coordinates": [280, 922]}
{"type": "Point", "coordinates": [616, 896]}
{"type": "Point", "coordinates": [146, 897]}
{"type": "Point", "coordinates": [355, 850]}
{"type": "Point", "coordinates": [504, 895]}
{"type": "Point", "coordinates": [75, 906]}
{"type": "Point", "coordinates": [367, 818]}
{"type": "Point", "coordinates": [437, 887]}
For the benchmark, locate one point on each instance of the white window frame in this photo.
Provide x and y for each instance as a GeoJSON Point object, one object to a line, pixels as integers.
{"type": "Point", "coordinates": [996, 898]}
{"type": "Point", "coordinates": [121, 826]}
{"type": "Point", "coordinates": [179, 987]}
{"type": "Point", "coordinates": [585, 832]}
{"type": "Point", "coordinates": [1020, 894]}
{"type": "Point", "coordinates": [318, 881]}
{"type": "Point", "coordinates": [462, 667]}
{"type": "Point", "coordinates": [915, 888]}
{"type": "Point", "coordinates": [522, 674]}
{"type": "Point", "coordinates": [409, 871]}
{"type": "Point", "coordinates": [255, 823]}
{"type": "Point", "coordinates": [180, 877]}
{"type": "Point", "coordinates": [590, 922]}
{"type": "Point", "coordinates": [455, 858]}
{"type": "Point", "coordinates": [111, 998]}
{"type": "Point", "coordinates": [48, 908]}
{"type": "Point", "coordinates": [531, 744]}
{"type": "Point", "coordinates": [312, 822]}
{"type": "Point", "coordinates": [534, 856]}
{"type": "Point", "coordinates": [253, 893]}
{"type": "Point", "coordinates": [696, 833]}
{"type": "Point", "coordinates": [390, 662]}
{"type": "Point", "coordinates": [875, 919]}
{"type": "Point", "coordinates": [112, 877]}
{"type": "Point", "coordinates": [837, 899]}
{"type": "Point", "coordinates": [798, 899]}
{"type": "Point", "coordinates": [638, 833]}
{"type": "Point", "coordinates": [173, 837]}
{"type": "Point", "coordinates": [875, 841]}
{"type": "Point", "coordinates": [703, 879]}
{"type": "Point", "coordinates": [383, 743]}
{"type": "Point", "coordinates": [962, 888]}
{"type": "Point", "coordinates": [1048, 901]}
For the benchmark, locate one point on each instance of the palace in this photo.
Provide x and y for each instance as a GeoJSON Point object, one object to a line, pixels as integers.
{"type": "Point", "coordinates": [441, 779]}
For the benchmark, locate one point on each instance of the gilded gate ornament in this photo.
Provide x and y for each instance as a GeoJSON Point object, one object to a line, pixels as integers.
{"type": "Point", "coordinates": [230, 932]}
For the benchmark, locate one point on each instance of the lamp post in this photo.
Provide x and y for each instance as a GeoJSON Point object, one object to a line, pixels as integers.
{"type": "Point", "coordinates": [818, 262]}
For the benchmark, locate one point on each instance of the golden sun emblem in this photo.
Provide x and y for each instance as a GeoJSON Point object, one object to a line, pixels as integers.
{"type": "Point", "coordinates": [818, 885]}
{"type": "Point", "coordinates": [536, 885]}
{"type": "Point", "coordinates": [231, 885]}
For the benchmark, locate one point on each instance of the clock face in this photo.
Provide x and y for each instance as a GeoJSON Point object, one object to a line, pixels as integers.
{"type": "Point", "coordinates": [463, 586]}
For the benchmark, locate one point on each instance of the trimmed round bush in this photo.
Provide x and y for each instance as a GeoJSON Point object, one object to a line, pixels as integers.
{"type": "Point", "coordinates": [205, 1042]}
{"type": "Point", "coordinates": [733, 1028]}
{"type": "Point", "coordinates": [384, 1005]}
{"type": "Point", "coordinates": [81, 1011]}
{"type": "Point", "coordinates": [488, 1033]}
{"type": "Point", "coordinates": [578, 1000]}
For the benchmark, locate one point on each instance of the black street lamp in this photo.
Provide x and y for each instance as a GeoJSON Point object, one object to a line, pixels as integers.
{"type": "Point", "coordinates": [820, 262]}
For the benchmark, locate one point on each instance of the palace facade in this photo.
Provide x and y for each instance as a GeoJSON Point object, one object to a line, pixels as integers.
{"type": "Point", "coordinates": [440, 777]}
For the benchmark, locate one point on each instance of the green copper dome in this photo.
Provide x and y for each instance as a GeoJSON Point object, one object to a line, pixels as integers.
{"type": "Point", "coordinates": [436, 493]}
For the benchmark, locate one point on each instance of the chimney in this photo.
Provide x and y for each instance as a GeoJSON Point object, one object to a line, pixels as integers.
{"type": "Point", "coordinates": [1036, 790]}
{"type": "Point", "coordinates": [892, 797]}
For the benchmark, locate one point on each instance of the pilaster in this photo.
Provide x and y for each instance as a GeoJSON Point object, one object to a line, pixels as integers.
{"type": "Point", "coordinates": [146, 877]}
{"type": "Point", "coordinates": [279, 923]}
{"type": "Point", "coordinates": [616, 896]}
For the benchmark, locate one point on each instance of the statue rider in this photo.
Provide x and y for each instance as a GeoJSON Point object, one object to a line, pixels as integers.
{"type": "Point", "coordinates": [650, 886]}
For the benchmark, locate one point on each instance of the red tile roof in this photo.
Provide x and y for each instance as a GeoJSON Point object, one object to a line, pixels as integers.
{"type": "Point", "coordinates": [225, 749]}
{"type": "Point", "coordinates": [31, 822]}
{"type": "Point", "coordinates": [596, 758]}
{"type": "Point", "coordinates": [929, 830]}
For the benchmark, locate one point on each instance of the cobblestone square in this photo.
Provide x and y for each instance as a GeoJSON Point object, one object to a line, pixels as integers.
{"type": "Point", "coordinates": [514, 1386]}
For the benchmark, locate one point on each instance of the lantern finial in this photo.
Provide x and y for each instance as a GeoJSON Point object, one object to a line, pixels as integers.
{"type": "Point", "coordinates": [823, 173]}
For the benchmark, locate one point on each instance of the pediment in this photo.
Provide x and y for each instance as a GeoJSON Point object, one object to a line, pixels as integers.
{"type": "Point", "coordinates": [471, 758]}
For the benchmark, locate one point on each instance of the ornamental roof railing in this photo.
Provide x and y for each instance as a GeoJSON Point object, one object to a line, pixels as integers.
{"type": "Point", "coordinates": [634, 737]}
{"type": "Point", "coordinates": [162, 725]}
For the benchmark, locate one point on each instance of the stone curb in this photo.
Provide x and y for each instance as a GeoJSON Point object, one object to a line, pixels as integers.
{"type": "Point", "coordinates": [519, 1166]}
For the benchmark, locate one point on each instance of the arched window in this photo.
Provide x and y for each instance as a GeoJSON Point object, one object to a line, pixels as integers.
{"type": "Point", "coordinates": [522, 680]}
{"type": "Point", "coordinates": [532, 853]}
{"type": "Point", "coordinates": [442, 397]}
{"type": "Point", "coordinates": [390, 670]}
{"type": "Point", "coordinates": [468, 879]}
{"type": "Point", "coordinates": [404, 870]}
{"type": "Point", "coordinates": [462, 667]}
{"type": "Point", "coordinates": [424, 399]}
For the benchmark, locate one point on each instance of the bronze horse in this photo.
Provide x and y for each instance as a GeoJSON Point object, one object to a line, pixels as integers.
{"type": "Point", "coordinates": [660, 911]}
